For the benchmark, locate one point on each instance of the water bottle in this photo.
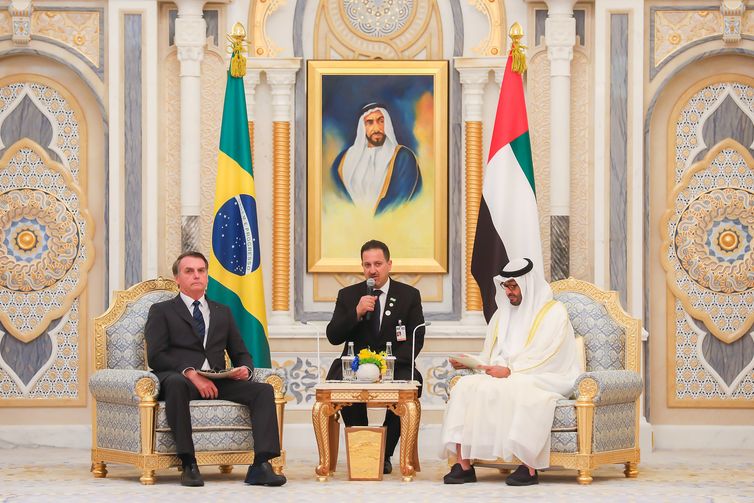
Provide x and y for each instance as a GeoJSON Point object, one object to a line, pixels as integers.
{"type": "Point", "coordinates": [347, 360]}
{"type": "Point", "coordinates": [390, 362]}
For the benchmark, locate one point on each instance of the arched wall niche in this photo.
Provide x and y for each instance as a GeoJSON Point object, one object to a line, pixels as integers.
{"type": "Point", "coordinates": [82, 95]}
{"type": "Point", "coordinates": [668, 321]}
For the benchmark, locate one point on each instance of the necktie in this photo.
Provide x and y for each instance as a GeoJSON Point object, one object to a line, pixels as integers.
{"type": "Point", "coordinates": [376, 318]}
{"type": "Point", "coordinates": [198, 321]}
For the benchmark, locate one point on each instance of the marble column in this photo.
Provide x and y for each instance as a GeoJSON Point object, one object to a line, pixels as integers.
{"type": "Point", "coordinates": [281, 77]}
{"type": "Point", "coordinates": [474, 76]}
{"type": "Point", "coordinates": [560, 37]}
{"type": "Point", "coordinates": [190, 39]}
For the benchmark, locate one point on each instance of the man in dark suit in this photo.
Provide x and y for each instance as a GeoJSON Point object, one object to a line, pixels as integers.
{"type": "Point", "coordinates": [391, 305]}
{"type": "Point", "coordinates": [191, 332]}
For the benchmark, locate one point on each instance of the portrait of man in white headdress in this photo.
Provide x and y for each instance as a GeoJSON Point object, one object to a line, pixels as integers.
{"type": "Point", "coordinates": [376, 172]}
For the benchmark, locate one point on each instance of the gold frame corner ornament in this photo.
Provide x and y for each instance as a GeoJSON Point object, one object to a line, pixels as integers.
{"type": "Point", "coordinates": [316, 70]}
{"type": "Point", "coordinates": [494, 44]}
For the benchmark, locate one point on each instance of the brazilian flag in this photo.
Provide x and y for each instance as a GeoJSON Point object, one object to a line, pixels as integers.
{"type": "Point", "coordinates": [235, 272]}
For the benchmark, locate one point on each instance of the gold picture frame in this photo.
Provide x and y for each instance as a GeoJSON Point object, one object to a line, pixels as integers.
{"type": "Point", "coordinates": [406, 203]}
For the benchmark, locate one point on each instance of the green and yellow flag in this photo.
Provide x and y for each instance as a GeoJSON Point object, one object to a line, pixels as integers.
{"type": "Point", "coordinates": [235, 263]}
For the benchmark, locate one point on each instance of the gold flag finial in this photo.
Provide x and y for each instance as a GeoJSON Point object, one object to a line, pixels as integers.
{"type": "Point", "coordinates": [516, 33]}
{"type": "Point", "coordinates": [237, 39]}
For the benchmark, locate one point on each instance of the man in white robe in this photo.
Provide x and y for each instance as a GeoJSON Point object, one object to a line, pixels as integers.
{"type": "Point", "coordinates": [530, 361]}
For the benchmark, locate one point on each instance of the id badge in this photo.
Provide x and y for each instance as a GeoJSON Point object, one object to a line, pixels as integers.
{"type": "Point", "coordinates": [400, 332]}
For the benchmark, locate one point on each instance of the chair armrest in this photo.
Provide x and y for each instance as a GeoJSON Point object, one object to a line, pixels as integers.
{"type": "Point", "coordinates": [275, 377]}
{"type": "Point", "coordinates": [454, 375]}
{"type": "Point", "coordinates": [609, 386]}
{"type": "Point", "coordinates": [126, 386]}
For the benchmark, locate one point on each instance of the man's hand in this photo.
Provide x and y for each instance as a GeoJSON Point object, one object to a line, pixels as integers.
{"type": "Point", "coordinates": [365, 305]}
{"type": "Point", "coordinates": [206, 387]}
{"type": "Point", "coordinates": [456, 364]}
{"type": "Point", "coordinates": [239, 374]}
{"type": "Point", "coordinates": [496, 370]}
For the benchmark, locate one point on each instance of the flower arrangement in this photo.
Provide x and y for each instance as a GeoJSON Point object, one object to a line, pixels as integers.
{"type": "Point", "coordinates": [368, 356]}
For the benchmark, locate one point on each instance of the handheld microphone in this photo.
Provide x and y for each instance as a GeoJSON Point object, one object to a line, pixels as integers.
{"type": "Point", "coordinates": [413, 346]}
{"type": "Point", "coordinates": [370, 291]}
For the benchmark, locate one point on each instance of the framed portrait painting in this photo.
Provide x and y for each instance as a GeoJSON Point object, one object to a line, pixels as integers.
{"type": "Point", "coordinates": [377, 163]}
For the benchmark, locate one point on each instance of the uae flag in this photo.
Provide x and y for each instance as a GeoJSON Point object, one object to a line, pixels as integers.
{"type": "Point", "coordinates": [508, 221]}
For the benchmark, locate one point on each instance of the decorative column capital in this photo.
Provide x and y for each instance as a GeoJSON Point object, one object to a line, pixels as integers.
{"type": "Point", "coordinates": [474, 75]}
{"type": "Point", "coordinates": [732, 12]}
{"type": "Point", "coordinates": [250, 83]}
{"type": "Point", "coordinates": [281, 76]}
{"type": "Point", "coordinates": [20, 11]}
{"type": "Point", "coordinates": [560, 36]}
{"type": "Point", "coordinates": [190, 36]}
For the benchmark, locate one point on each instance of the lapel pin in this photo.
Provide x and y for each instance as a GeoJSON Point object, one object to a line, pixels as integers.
{"type": "Point", "coordinates": [387, 313]}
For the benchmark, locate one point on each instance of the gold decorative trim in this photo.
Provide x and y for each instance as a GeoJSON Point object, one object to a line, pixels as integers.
{"type": "Point", "coordinates": [494, 44]}
{"type": "Point", "coordinates": [670, 276]}
{"type": "Point", "coordinates": [281, 211]}
{"type": "Point", "coordinates": [120, 303]}
{"type": "Point", "coordinates": [259, 13]}
{"type": "Point", "coordinates": [473, 200]}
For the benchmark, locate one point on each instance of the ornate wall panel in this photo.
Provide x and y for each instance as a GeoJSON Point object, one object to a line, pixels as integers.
{"type": "Point", "coordinates": [675, 29]}
{"type": "Point", "coordinates": [46, 247]}
{"type": "Point", "coordinates": [302, 375]}
{"type": "Point", "coordinates": [708, 234]}
{"type": "Point", "coordinates": [368, 29]}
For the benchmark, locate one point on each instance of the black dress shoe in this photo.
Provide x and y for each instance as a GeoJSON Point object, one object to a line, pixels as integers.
{"type": "Point", "coordinates": [458, 475]}
{"type": "Point", "coordinates": [521, 477]}
{"type": "Point", "coordinates": [262, 475]}
{"type": "Point", "coordinates": [387, 467]}
{"type": "Point", "coordinates": [190, 477]}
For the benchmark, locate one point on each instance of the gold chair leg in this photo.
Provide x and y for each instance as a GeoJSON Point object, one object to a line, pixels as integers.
{"type": "Point", "coordinates": [226, 468]}
{"type": "Point", "coordinates": [632, 470]}
{"type": "Point", "coordinates": [99, 470]}
{"type": "Point", "coordinates": [505, 471]}
{"type": "Point", "coordinates": [147, 477]}
{"type": "Point", "coordinates": [585, 477]}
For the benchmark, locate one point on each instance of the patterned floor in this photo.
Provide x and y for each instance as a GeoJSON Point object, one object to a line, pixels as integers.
{"type": "Point", "coordinates": [48, 474]}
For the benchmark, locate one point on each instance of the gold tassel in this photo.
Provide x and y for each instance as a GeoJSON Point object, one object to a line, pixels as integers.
{"type": "Point", "coordinates": [517, 49]}
{"type": "Point", "coordinates": [237, 40]}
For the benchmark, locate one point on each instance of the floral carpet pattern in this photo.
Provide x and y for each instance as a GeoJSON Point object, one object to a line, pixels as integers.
{"type": "Point", "coordinates": [52, 474]}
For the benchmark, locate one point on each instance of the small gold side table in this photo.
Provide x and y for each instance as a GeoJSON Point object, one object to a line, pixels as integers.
{"type": "Point", "coordinates": [400, 397]}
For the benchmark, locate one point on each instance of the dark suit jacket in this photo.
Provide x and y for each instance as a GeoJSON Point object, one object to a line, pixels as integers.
{"type": "Point", "coordinates": [345, 327]}
{"type": "Point", "coordinates": [173, 346]}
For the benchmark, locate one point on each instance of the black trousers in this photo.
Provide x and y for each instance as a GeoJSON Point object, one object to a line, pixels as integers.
{"type": "Point", "coordinates": [356, 415]}
{"type": "Point", "coordinates": [178, 391]}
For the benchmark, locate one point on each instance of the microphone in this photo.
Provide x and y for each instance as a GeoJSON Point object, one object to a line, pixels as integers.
{"type": "Point", "coordinates": [413, 346]}
{"type": "Point", "coordinates": [370, 291]}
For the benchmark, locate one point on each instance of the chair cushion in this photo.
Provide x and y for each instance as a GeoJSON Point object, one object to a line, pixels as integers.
{"type": "Point", "coordinates": [565, 416]}
{"type": "Point", "coordinates": [228, 440]}
{"type": "Point", "coordinates": [564, 441]}
{"type": "Point", "coordinates": [210, 415]}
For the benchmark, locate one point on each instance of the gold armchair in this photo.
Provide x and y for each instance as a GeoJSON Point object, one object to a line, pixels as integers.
{"type": "Point", "coordinates": [129, 424]}
{"type": "Point", "coordinates": [599, 423]}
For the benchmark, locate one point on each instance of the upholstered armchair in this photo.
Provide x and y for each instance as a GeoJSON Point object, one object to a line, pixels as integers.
{"type": "Point", "coordinates": [599, 423]}
{"type": "Point", "coordinates": [130, 425]}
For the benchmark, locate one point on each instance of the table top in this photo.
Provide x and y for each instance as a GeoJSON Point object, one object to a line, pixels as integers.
{"type": "Point", "coordinates": [350, 385]}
